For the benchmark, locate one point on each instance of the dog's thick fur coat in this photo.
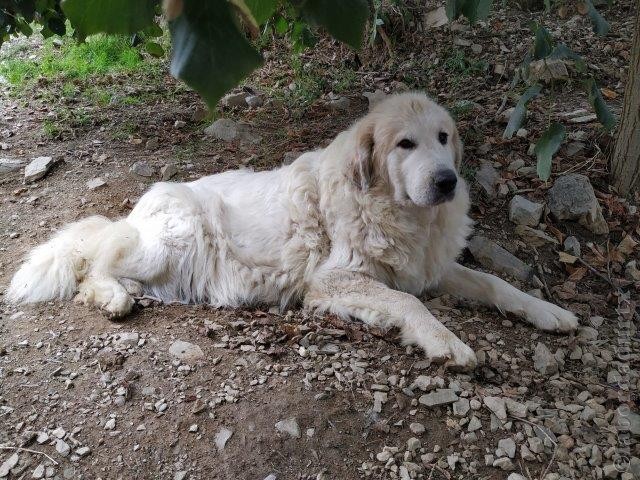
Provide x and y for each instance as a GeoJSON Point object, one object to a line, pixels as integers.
{"type": "Point", "coordinates": [359, 229]}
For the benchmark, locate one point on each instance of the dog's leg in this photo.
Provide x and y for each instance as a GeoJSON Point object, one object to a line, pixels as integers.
{"type": "Point", "coordinates": [360, 296]}
{"type": "Point", "coordinates": [490, 290]}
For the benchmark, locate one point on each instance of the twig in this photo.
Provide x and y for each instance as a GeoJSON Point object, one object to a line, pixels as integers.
{"type": "Point", "coordinates": [597, 273]}
{"type": "Point", "coordinates": [439, 468]}
{"type": "Point", "coordinates": [544, 281]}
{"type": "Point", "coordinates": [553, 457]}
{"type": "Point", "coordinates": [20, 449]}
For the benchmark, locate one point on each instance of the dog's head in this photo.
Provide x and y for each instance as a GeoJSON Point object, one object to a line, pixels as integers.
{"type": "Point", "coordinates": [410, 144]}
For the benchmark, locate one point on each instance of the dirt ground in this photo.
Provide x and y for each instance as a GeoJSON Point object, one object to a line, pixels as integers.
{"type": "Point", "coordinates": [84, 397]}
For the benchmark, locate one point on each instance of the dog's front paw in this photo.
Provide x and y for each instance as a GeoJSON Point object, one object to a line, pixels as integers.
{"type": "Point", "coordinates": [445, 348]}
{"type": "Point", "coordinates": [107, 295]}
{"type": "Point", "coordinates": [551, 318]}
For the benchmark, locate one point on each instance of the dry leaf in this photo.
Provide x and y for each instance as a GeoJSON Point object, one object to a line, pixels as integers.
{"type": "Point", "coordinates": [563, 12]}
{"type": "Point", "coordinates": [583, 8]}
{"type": "Point", "coordinates": [627, 245]}
{"type": "Point", "coordinates": [609, 93]}
{"type": "Point", "coordinates": [564, 257]}
{"type": "Point", "coordinates": [576, 274]}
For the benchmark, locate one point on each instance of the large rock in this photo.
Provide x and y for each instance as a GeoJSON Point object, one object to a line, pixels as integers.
{"type": "Point", "coordinates": [523, 211]}
{"type": "Point", "coordinates": [289, 426]}
{"type": "Point", "coordinates": [493, 256]}
{"type": "Point", "coordinates": [548, 70]}
{"type": "Point", "coordinates": [235, 100]}
{"type": "Point", "coordinates": [572, 198]}
{"type": "Point", "coordinates": [37, 169]}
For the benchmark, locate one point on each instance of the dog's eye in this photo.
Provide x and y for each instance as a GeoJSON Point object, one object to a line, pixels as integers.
{"type": "Point", "coordinates": [407, 144]}
{"type": "Point", "coordinates": [442, 137]}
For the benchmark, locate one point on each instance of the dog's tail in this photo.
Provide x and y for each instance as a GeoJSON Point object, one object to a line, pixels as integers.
{"type": "Point", "coordinates": [54, 269]}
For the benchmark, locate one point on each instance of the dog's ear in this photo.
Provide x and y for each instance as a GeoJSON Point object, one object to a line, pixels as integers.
{"type": "Point", "coordinates": [457, 149]}
{"type": "Point", "coordinates": [362, 168]}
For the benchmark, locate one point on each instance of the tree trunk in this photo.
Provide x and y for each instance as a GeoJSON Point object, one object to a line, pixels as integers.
{"type": "Point", "coordinates": [626, 157]}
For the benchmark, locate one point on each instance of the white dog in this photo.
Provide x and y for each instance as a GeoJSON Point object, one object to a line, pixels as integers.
{"type": "Point", "coordinates": [358, 229]}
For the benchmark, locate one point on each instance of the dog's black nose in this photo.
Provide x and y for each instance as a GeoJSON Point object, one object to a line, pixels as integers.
{"type": "Point", "coordinates": [445, 181]}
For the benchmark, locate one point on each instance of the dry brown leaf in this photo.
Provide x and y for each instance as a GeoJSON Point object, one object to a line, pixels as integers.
{"type": "Point", "coordinates": [627, 245]}
{"type": "Point", "coordinates": [609, 93]}
{"type": "Point", "coordinates": [583, 8]}
{"type": "Point", "coordinates": [576, 274]}
{"type": "Point", "coordinates": [564, 257]}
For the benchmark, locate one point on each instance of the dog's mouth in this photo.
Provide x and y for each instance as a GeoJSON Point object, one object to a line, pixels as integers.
{"type": "Point", "coordinates": [441, 198]}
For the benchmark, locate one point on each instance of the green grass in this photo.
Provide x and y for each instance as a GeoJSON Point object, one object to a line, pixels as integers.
{"type": "Point", "coordinates": [456, 62]}
{"type": "Point", "coordinates": [99, 55]}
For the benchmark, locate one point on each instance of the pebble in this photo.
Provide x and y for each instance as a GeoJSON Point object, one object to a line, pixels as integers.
{"type": "Point", "coordinates": [289, 426]}
{"type": "Point", "coordinates": [96, 183]}
{"type": "Point", "coordinates": [222, 437]}
{"type": "Point", "coordinates": [62, 447]}
{"type": "Point", "coordinates": [417, 428]}
{"type": "Point", "coordinates": [8, 165]}
{"type": "Point", "coordinates": [497, 405]}
{"type": "Point", "coordinates": [544, 361]}
{"type": "Point", "coordinates": [110, 424]}
{"type": "Point", "coordinates": [487, 177]}
{"type": "Point", "coordinates": [8, 464]}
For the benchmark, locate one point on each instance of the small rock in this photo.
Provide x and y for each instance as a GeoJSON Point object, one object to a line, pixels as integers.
{"type": "Point", "coordinates": [289, 426]}
{"type": "Point", "coordinates": [185, 351]}
{"type": "Point", "coordinates": [180, 475]}
{"type": "Point", "coordinates": [548, 70]}
{"type": "Point", "coordinates": [572, 245]}
{"type": "Point", "coordinates": [223, 129]}
{"type": "Point", "coordinates": [515, 409]}
{"type": "Point", "coordinates": [439, 397]}
{"type": "Point", "coordinates": [534, 237]}
{"type": "Point", "coordinates": [62, 447]}
{"type": "Point", "coordinates": [168, 171]}
{"type": "Point", "coordinates": [461, 407]}
{"type": "Point", "coordinates": [126, 339]}
{"type": "Point", "coordinates": [37, 169]}
{"type": "Point", "coordinates": [572, 198]}
{"type": "Point", "coordinates": [83, 451]}
{"type": "Point", "coordinates": [525, 212]}
{"type": "Point", "coordinates": [110, 424]}
{"type": "Point", "coordinates": [493, 256]}
{"type": "Point", "coordinates": [417, 428]}
{"type": "Point", "coordinates": [508, 445]}
{"type": "Point", "coordinates": [8, 464]}
{"type": "Point", "coordinates": [497, 405]}
{"type": "Point", "coordinates": [339, 103]}
{"type": "Point", "coordinates": [8, 165]}
{"type": "Point", "coordinates": [436, 18]}
{"type": "Point", "coordinates": [413, 444]}
{"type": "Point", "coordinates": [142, 169]}
{"type": "Point", "coordinates": [504, 463]}
{"type": "Point", "coordinates": [222, 437]}
{"type": "Point", "coordinates": [544, 361]}
{"type": "Point", "coordinates": [179, 124]}
{"type": "Point", "coordinates": [516, 476]}
{"type": "Point", "coordinates": [487, 177]}
{"type": "Point", "coordinates": [374, 97]}
{"type": "Point", "coordinates": [235, 100]}
{"type": "Point", "coordinates": [255, 101]}
{"type": "Point", "coordinates": [96, 183]}
{"type": "Point", "coordinates": [38, 473]}
{"type": "Point", "coordinates": [631, 271]}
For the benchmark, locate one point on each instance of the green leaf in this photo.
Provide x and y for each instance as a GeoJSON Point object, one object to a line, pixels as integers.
{"type": "Point", "coordinates": [262, 10]}
{"type": "Point", "coordinates": [154, 49]}
{"type": "Point", "coordinates": [543, 45]}
{"type": "Point", "coordinates": [600, 25]}
{"type": "Point", "coordinates": [109, 16]}
{"type": "Point", "coordinates": [281, 26]}
{"type": "Point", "coordinates": [546, 147]}
{"type": "Point", "coordinates": [345, 20]}
{"type": "Point", "coordinates": [605, 117]}
{"type": "Point", "coordinates": [519, 112]}
{"type": "Point", "coordinates": [474, 10]}
{"type": "Point", "coordinates": [210, 54]}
